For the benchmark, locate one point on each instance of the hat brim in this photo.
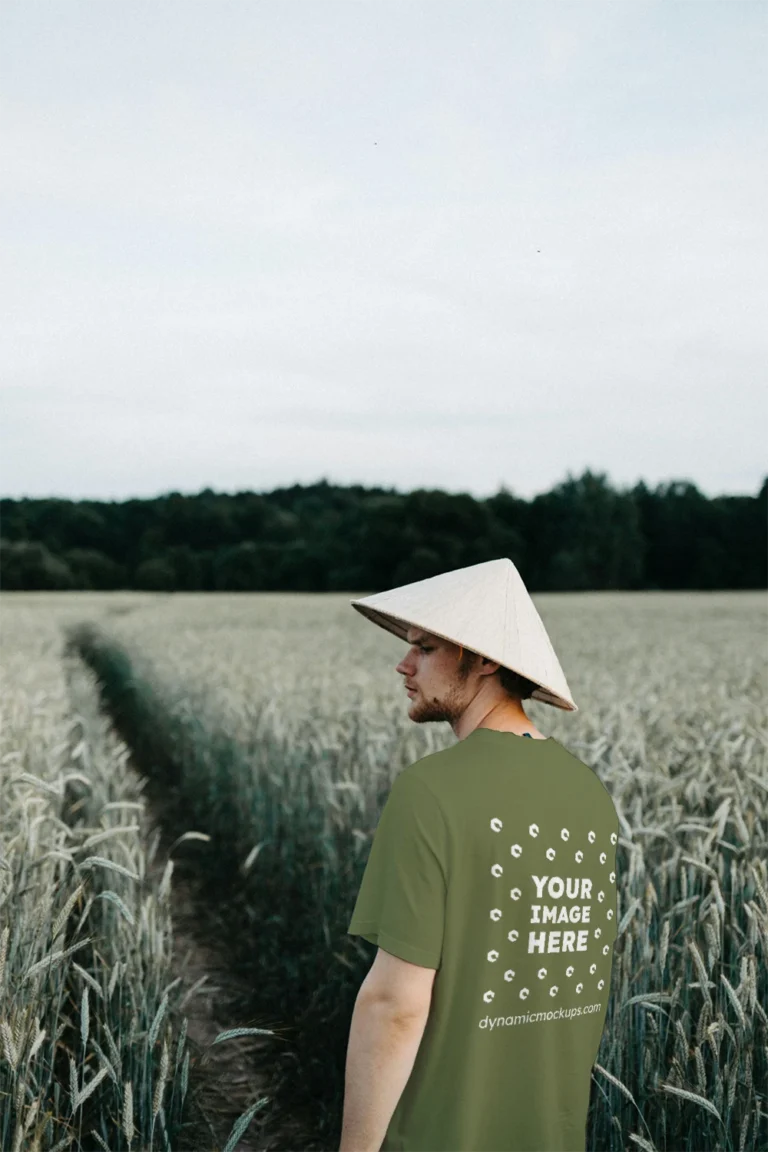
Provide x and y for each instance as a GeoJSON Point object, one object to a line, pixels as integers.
{"type": "Point", "coordinates": [399, 627]}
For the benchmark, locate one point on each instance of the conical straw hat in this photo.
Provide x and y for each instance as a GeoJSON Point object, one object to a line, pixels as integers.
{"type": "Point", "coordinates": [486, 608]}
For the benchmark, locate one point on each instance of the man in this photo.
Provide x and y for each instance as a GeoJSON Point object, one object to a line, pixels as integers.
{"type": "Point", "coordinates": [490, 892]}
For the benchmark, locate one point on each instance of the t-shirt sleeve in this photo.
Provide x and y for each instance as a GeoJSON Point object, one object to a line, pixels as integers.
{"type": "Point", "coordinates": [401, 902]}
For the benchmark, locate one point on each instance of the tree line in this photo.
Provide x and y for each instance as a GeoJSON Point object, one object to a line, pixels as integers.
{"type": "Point", "coordinates": [581, 535]}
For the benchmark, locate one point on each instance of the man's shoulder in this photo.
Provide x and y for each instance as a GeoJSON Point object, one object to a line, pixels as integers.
{"type": "Point", "coordinates": [430, 769]}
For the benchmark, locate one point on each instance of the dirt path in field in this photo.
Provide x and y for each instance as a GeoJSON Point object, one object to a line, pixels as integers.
{"type": "Point", "coordinates": [221, 1081]}
{"type": "Point", "coordinates": [224, 1077]}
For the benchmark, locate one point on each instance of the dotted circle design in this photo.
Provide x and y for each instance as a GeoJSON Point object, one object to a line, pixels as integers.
{"type": "Point", "coordinates": [516, 851]}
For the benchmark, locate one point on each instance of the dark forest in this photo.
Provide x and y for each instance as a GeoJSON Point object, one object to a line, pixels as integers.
{"type": "Point", "coordinates": [581, 535]}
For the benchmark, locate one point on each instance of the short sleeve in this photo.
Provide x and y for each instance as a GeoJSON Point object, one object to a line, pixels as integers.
{"type": "Point", "coordinates": [401, 902]}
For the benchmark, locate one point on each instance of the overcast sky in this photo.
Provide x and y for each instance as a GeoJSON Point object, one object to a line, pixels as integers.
{"type": "Point", "coordinates": [452, 245]}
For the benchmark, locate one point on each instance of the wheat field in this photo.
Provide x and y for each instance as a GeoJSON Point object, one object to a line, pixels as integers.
{"type": "Point", "coordinates": [275, 725]}
{"type": "Point", "coordinates": [90, 1057]}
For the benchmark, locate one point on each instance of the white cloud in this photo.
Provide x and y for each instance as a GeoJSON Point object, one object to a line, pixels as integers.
{"type": "Point", "coordinates": [492, 223]}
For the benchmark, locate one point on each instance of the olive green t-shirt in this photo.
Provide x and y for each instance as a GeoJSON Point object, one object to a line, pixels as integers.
{"type": "Point", "coordinates": [494, 862]}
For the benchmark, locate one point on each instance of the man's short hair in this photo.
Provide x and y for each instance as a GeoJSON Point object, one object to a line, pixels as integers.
{"type": "Point", "coordinates": [516, 686]}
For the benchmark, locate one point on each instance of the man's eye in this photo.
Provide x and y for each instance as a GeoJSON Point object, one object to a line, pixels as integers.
{"type": "Point", "coordinates": [424, 648]}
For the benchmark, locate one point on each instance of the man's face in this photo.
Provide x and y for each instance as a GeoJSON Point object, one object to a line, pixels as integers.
{"type": "Point", "coordinates": [440, 679]}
